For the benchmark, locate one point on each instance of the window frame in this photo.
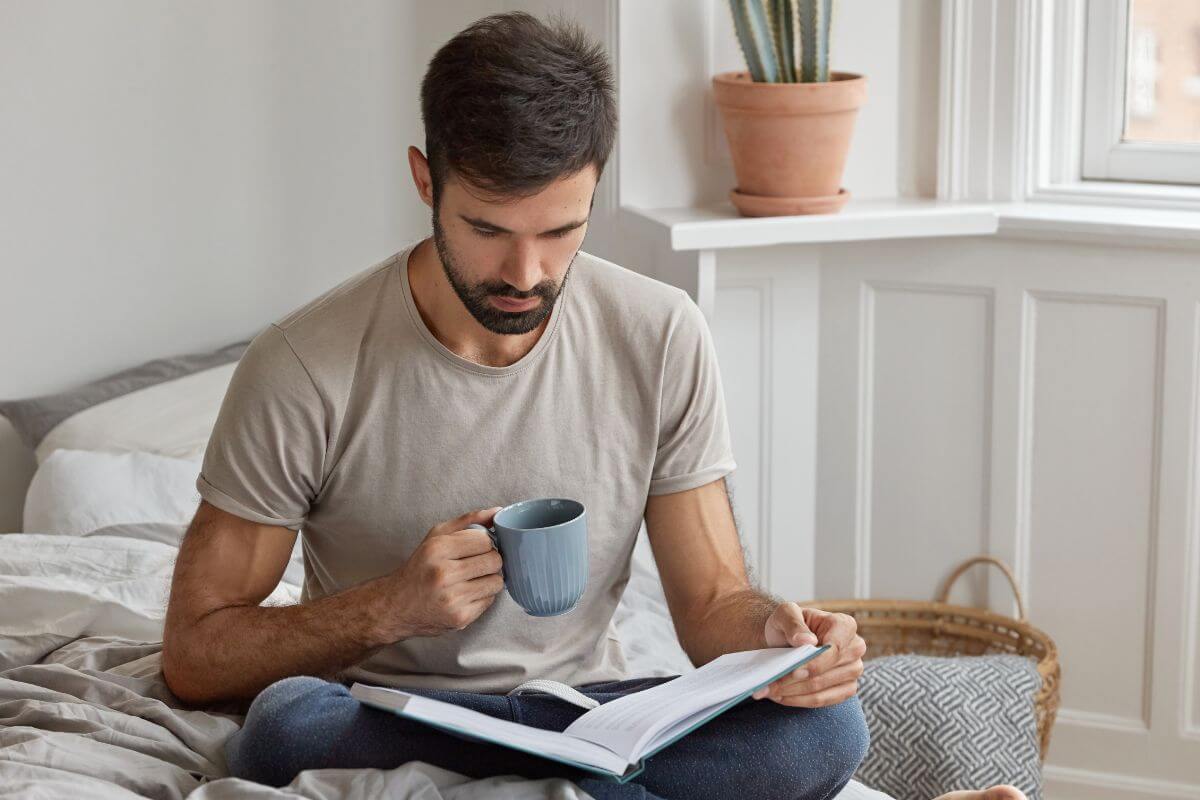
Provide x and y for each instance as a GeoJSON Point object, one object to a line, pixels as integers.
{"type": "Point", "coordinates": [1011, 115]}
{"type": "Point", "coordinates": [1106, 156]}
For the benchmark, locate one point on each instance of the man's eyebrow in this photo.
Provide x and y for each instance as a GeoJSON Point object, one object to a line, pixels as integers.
{"type": "Point", "coordinates": [482, 223]}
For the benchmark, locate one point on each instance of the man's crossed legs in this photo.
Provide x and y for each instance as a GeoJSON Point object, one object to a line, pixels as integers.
{"type": "Point", "coordinates": [757, 749]}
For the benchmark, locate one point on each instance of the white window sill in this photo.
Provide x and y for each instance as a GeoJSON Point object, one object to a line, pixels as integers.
{"type": "Point", "coordinates": [1100, 224]}
{"type": "Point", "coordinates": [1120, 194]}
{"type": "Point", "coordinates": [720, 227]}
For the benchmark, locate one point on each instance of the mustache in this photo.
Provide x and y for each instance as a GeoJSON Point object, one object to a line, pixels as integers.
{"type": "Point", "coordinates": [517, 297]}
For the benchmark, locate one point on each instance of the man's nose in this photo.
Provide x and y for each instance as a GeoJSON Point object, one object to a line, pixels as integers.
{"type": "Point", "coordinates": [523, 272]}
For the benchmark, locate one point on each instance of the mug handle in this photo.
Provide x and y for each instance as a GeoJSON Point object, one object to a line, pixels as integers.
{"type": "Point", "coordinates": [489, 531]}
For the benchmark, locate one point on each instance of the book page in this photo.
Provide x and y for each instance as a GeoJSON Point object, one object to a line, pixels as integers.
{"type": "Point", "coordinates": [629, 724]}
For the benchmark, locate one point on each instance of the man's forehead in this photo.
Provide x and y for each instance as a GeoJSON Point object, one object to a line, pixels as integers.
{"type": "Point", "coordinates": [584, 182]}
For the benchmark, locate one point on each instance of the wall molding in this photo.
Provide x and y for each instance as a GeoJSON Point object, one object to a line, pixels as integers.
{"type": "Point", "coordinates": [866, 434]}
{"type": "Point", "coordinates": [864, 481]}
{"type": "Point", "coordinates": [766, 426]}
{"type": "Point", "coordinates": [1188, 722]}
{"type": "Point", "coordinates": [1112, 722]}
{"type": "Point", "coordinates": [984, 110]}
{"type": "Point", "coordinates": [1027, 427]}
{"type": "Point", "coordinates": [1114, 782]}
{"type": "Point", "coordinates": [954, 103]}
{"type": "Point", "coordinates": [764, 539]}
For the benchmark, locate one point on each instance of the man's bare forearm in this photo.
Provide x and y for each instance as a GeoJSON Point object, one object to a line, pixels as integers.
{"type": "Point", "coordinates": [236, 651]}
{"type": "Point", "coordinates": [733, 623]}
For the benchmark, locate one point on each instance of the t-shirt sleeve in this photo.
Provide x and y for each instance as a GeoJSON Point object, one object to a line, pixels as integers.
{"type": "Point", "coordinates": [265, 457]}
{"type": "Point", "coordinates": [693, 441]}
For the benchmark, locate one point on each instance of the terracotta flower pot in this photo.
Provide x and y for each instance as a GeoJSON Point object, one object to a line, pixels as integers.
{"type": "Point", "coordinates": [789, 141]}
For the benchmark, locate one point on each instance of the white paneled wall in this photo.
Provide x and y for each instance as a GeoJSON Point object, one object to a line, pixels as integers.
{"type": "Point", "coordinates": [914, 336]}
{"type": "Point", "coordinates": [764, 328]}
{"type": "Point", "coordinates": [1037, 401]}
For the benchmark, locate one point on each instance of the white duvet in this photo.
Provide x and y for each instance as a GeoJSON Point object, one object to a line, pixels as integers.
{"type": "Point", "coordinates": [70, 586]}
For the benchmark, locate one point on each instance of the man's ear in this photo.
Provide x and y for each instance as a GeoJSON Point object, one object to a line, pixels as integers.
{"type": "Point", "coordinates": [422, 178]}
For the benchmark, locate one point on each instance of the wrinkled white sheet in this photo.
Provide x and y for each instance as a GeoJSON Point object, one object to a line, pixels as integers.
{"type": "Point", "coordinates": [84, 711]}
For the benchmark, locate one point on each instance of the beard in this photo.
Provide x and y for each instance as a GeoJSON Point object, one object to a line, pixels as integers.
{"type": "Point", "coordinates": [475, 297]}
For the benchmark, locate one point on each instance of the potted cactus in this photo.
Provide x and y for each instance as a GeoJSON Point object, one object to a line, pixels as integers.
{"type": "Point", "coordinates": [788, 119]}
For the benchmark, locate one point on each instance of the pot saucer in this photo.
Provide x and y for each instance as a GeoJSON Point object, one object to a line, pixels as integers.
{"type": "Point", "coordinates": [758, 205]}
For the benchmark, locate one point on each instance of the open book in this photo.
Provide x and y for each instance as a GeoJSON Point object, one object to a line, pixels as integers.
{"type": "Point", "coordinates": [615, 738]}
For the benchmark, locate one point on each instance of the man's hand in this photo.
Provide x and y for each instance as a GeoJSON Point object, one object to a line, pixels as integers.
{"type": "Point", "coordinates": [829, 678]}
{"type": "Point", "coordinates": [451, 578]}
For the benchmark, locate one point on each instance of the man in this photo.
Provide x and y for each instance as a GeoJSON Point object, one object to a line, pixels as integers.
{"type": "Point", "coordinates": [493, 363]}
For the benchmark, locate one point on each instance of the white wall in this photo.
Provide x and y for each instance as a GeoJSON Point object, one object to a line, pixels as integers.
{"type": "Point", "coordinates": [175, 175]}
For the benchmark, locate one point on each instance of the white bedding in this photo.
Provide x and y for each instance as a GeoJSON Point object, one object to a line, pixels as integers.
{"type": "Point", "coordinates": [105, 489]}
{"type": "Point", "coordinates": [56, 588]}
{"type": "Point", "coordinates": [84, 711]}
{"type": "Point", "coordinates": [174, 418]}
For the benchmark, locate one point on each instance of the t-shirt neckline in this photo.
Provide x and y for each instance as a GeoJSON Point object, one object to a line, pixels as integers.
{"type": "Point", "coordinates": [465, 363]}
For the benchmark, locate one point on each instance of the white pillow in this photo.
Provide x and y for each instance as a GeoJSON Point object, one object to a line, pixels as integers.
{"type": "Point", "coordinates": [173, 418]}
{"type": "Point", "coordinates": [77, 491]}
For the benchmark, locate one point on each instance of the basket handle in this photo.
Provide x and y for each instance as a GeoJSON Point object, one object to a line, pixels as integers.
{"type": "Point", "coordinates": [964, 566]}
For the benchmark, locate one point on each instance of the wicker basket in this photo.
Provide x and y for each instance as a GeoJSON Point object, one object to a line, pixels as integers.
{"type": "Point", "coordinates": [940, 629]}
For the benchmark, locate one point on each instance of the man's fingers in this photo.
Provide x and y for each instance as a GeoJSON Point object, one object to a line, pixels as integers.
{"type": "Point", "coordinates": [799, 681]}
{"type": "Point", "coordinates": [466, 543]}
{"type": "Point", "coordinates": [857, 649]}
{"type": "Point", "coordinates": [474, 566]}
{"type": "Point", "coordinates": [793, 626]}
{"type": "Point", "coordinates": [855, 652]}
{"type": "Point", "coordinates": [840, 632]}
{"type": "Point", "coordinates": [485, 588]}
{"type": "Point", "coordinates": [826, 697]}
{"type": "Point", "coordinates": [482, 516]}
{"type": "Point", "coordinates": [831, 626]}
{"type": "Point", "coordinates": [835, 677]}
{"type": "Point", "coordinates": [847, 654]}
{"type": "Point", "coordinates": [826, 661]}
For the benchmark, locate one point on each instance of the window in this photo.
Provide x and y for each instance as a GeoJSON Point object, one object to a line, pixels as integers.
{"type": "Point", "coordinates": [1141, 83]}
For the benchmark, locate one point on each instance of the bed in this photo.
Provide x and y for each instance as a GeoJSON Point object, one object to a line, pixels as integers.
{"type": "Point", "coordinates": [104, 499]}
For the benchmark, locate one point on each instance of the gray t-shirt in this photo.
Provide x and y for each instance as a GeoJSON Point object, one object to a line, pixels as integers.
{"type": "Point", "coordinates": [349, 421]}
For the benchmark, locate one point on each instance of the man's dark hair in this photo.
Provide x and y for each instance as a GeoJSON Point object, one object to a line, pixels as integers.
{"type": "Point", "coordinates": [511, 104]}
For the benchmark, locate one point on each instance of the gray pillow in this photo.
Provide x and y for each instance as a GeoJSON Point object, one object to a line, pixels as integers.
{"type": "Point", "coordinates": [34, 417]}
{"type": "Point", "coordinates": [942, 724]}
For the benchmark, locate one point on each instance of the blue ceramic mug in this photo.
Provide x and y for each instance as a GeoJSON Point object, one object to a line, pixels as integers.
{"type": "Point", "coordinates": [543, 543]}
